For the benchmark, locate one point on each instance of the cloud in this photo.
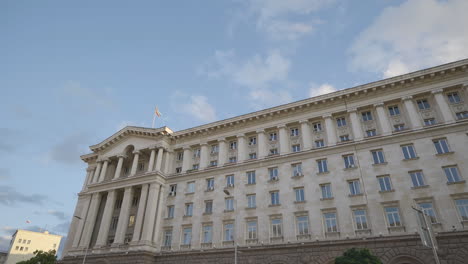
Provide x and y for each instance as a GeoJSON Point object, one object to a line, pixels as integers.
{"type": "Point", "coordinates": [10, 197]}
{"type": "Point", "coordinates": [198, 107]}
{"type": "Point", "coordinates": [325, 88]}
{"type": "Point", "coordinates": [268, 97]}
{"type": "Point", "coordinates": [411, 36]}
{"type": "Point", "coordinates": [68, 150]}
{"type": "Point", "coordinates": [5, 243]}
{"type": "Point", "coordinates": [101, 98]}
{"type": "Point", "coordinates": [59, 214]}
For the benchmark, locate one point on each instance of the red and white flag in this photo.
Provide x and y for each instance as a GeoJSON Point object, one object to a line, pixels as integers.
{"type": "Point", "coordinates": [156, 112]}
{"type": "Point", "coordinates": [28, 222]}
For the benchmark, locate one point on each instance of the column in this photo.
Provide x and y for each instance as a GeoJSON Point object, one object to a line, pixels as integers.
{"type": "Point", "coordinates": [159, 159]}
{"type": "Point", "coordinates": [203, 156]}
{"type": "Point", "coordinates": [168, 161]}
{"type": "Point", "coordinates": [140, 213]}
{"type": "Point", "coordinates": [90, 221]}
{"type": "Point", "coordinates": [136, 156]}
{"type": "Point", "coordinates": [89, 174]}
{"type": "Point", "coordinates": [97, 171]}
{"type": "Point", "coordinates": [118, 170]}
{"type": "Point", "coordinates": [157, 226]}
{"type": "Point", "coordinates": [187, 161]}
{"type": "Point", "coordinates": [241, 148]}
{"type": "Point", "coordinates": [151, 160]}
{"type": "Point", "coordinates": [412, 113]}
{"type": "Point", "coordinates": [330, 128]}
{"type": "Point", "coordinates": [306, 135]}
{"type": "Point", "coordinates": [122, 224]}
{"type": "Point", "coordinates": [106, 219]}
{"type": "Point", "coordinates": [355, 125]}
{"type": "Point", "coordinates": [81, 222]}
{"type": "Point", "coordinates": [150, 215]}
{"type": "Point", "coordinates": [283, 139]}
{"type": "Point", "coordinates": [262, 144]}
{"type": "Point", "coordinates": [222, 155]}
{"type": "Point", "coordinates": [443, 106]}
{"type": "Point", "coordinates": [102, 176]}
{"type": "Point", "coordinates": [383, 119]}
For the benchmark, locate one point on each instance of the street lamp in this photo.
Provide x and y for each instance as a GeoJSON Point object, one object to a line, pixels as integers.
{"type": "Point", "coordinates": [235, 229]}
{"type": "Point", "coordinates": [87, 246]}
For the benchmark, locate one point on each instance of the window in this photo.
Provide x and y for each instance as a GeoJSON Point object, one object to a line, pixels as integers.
{"type": "Point", "coordinates": [167, 241]}
{"type": "Point", "coordinates": [207, 233]}
{"type": "Point", "coordinates": [196, 153]}
{"type": "Point", "coordinates": [188, 209]}
{"type": "Point", "coordinates": [24, 241]}
{"type": "Point", "coordinates": [178, 170]}
{"type": "Point", "coordinates": [213, 163]}
{"type": "Point", "coordinates": [399, 127]}
{"type": "Point", "coordinates": [276, 227]}
{"type": "Point", "coordinates": [452, 174]}
{"type": "Point", "coordinates": [230, 181]}
{"type": "Point", "coordinates": [299, 194]}
{"type": "Point", "coordinates": [232, 159]}
{"type": "Point", "coordinates": [326, 191]}
{"type": "Point", "coordinates": [294, 132]}
{"type": "Point", "coordinates": [341, 121]}
{"type": "Point", "coordinates": [273, 173]}
{"type": "Point", "coordinates": [118, 203]}
{"type": "Point", "coordinates": [360, 219]}
{"type": "Point", "coordinates": [462, 115]}
{"type": "Point", "coordinates": [180, 156]}
{"type": "Point", "coordinates": [297, 169]}
{"type": "Point", "coordinates": [114, 222]}
{"type": "Point", "coordinates": [26, 248]}
{"type": "Point", "coordinates": [344, 138]}
{"type": "Point", "coordinates": [274, 196]}
{"type": "Point", "coordinates": [187, 236]}
{"type": "Point", "coordinates": [371, 133]}
{"type": "Point", "coordinates": [417, 178]}
{"type": "Point", "coordinates": [423, 104]}
{"type": "Point", "coordinates": [252, 141]}
{"type": "Point", "coordinates": [141, 166]}
{"type": "Point", "coordinates": [251, 177]}
{"type": "Point", "coordinates": [302, 225]}
{"type": "Point", "coordinates": [319, 143]}
{"type": "Point", "coordinates": [135, 200]}
{"type": "Point", "coordinates": [408, 152]}
{"type": "Point", "coordinates": [229, 202]}
{"type": "Point", "coordinates": [322, 166]}
{"type": "Point", "coordinates": [317, 126]}
{"type": "Point", "coordinates": [170, 211]}
{"type": "Point", "coordinates": [393, 216]}
{"type": "Point", "coordinates": [428, 209]}
{"type": "Point", "coordinates": [366, 116]}
{"type": "Point", "coordinates": [126, 170]}
{"type": "Point", "coordinates": [131, 221]}
{"type": "Point", "coordinates": [208, 207]}
{"type": "Point", "coordinates": [441, 146]}
{"type": "Point", "coordinates": [17, 248]}
{"type": "Point", "coordinates": [195, 166]}
{"type": "Point", "coordinates": [394, 110]}
{"type": "Point", "coordinates": [21, 248]}
{"type": "Point", "coordinates": [296, 148]}
{"type": "Point", "coordinates": [251, 201]}
{"type": "Point", "coordinates": [252, 155]}
{"type": "Point", "coordinates": [273, 136]}
{"type": "Point", "coordinates": [378, 156]}
{"type": "Point", "coordinates": [273, 151]}
{"type": "Point", "coordinates": [229, 232]}
{"type": "Point", "coordinates": [429, 122]}
{"type": "Point", "coordinates": [190, 187]}
{"type": "Point", "coordinates": [453, 97]}
{"type": "Point", "coordinates": [462, 206]}
{"type": "Point", "coordinates": [29, 242]}
{"type": "Point", "coordinates": [173, 189]}
{"type": "Point", "coordinates": [210, 184]}
{"type": "Point", "coordinates": [214, 149]}
{"type": "Point", "coordinates": [233, 145]}
{"type": "Point", "coordinates": [20, 240]}
{"type": "Point", "coordinates": [252, 229]}
{"type": "Point", "coordinates": [384, 183]}
{"type": "Point", "coordinates": [349, 161]}
{"type": "Point", "coordinates": [330, 222]}
{"type": "Point", "coordinates": [354, 187]}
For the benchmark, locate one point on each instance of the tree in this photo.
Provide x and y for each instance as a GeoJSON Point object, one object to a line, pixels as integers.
{"type": "Point", "coordinates": [41, 257]}
{"type": "Point", "coordinates": [358, 256]}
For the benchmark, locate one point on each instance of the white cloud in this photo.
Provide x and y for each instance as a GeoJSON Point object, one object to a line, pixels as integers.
{"type": "Point", "coordinates": [198, 107]}
{"type": "Point", "coordinates": [325, 88]}
{"type": "Point", "coordinates": [411, 36]}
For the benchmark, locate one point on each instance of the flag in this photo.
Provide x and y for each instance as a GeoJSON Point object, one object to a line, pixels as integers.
{"type": "Point", "coordinates": [156, 112]}
{"type": "Point", "coordinates": [28, 222]}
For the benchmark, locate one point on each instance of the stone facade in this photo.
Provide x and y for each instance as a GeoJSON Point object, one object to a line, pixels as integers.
{"type": "Point", "coordinates": [297, 183]}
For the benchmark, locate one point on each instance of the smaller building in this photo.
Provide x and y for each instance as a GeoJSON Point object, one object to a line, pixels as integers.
{"type": "Point", "coordinates": [24, 243]}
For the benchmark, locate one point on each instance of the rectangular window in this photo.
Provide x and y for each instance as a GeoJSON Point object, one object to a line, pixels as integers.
{"type": "Point", "coordinates": [213, 163]}
{"type": "Point", "coordinates": [141, 166]}
{"type": "Point", "coordinates": [326, 191]}
{"type": "Point", "coordinates": [330, 222]}
{"type": "Point", "coordinates": [230, 181]}
{"type": "Point", "coordinates": [274, 196]}
{"type": "Point", "coordinates": [251, 201]}
{"type": "Point", "coordinates": [232, 159]}
{"type": "Point", "coordinates": [302, 225]}
{"type": "Point", "coordinates": [428, 209]}
{"type": "Point", "coordinates": [118, 203]}
{"type": "Point", "coordinates": [417, 178]}
{"type": "Point", "coordinates": [172, 189]}
{"type": "Point", "coordinates": [195, 166]}
{"type": "Point", "coordinates": [196, 153]}
{"type": "Point", "coordinates": [344, 138]}
{"type": "Point", "coordinates": [273, 151]}
{"type": "Point", "coordinates": [187, 236]}
{"type": "Point", "coordinates": [208, 207]}
{"type": "Point", "coordinates": [408, 152]}
{"type": "Point", "coordinates": [229, 232]}
{"type": "Point", "coordinates": [252, 141]}
{"type": "Point", "coordinates": [371, 133]}
{"type": "Point", "coordinates": [20, 240]}
{"type": "Point", "coordinates": [341, 121]}
{"type": "Point", "coordinates": [393, 216]}
{"type": "Point", "coordinates": [210, 184]}
{"type": "Point", "coordinates": [131, 221]}
{"type": "Point", "coordinates": [354, 187]}
{"type": "Point", "coordinates": [378, 156]}
{"type": "Point", "coordinates": [180, 156]}
{"type": "Point", "coordinates": [429, 122]}
{"type": "Point", "coordinates": [296, 169]}
{"type": "Point", "coordinates": [317, 126]}
{"type": "Point", "coordinates": [384, 183]}
{"type": "Point", "coordinates": [294, 132]}
{"type": "Point", "coordinates": [322, 166]}
{"type": "Point", "coordinates": [441, 145]}
{"type": "Point", "coordinates": [299, 194]}
{"type": "Point", "coordinates": [135, 200]}
{"type": "Point", "coordinates": [366, 116]}
{"type": "Point", "coordinates": [207, 233]}
{"type": "Point", "coordinates": [452, 173]}
{"type": "Point", "coordinates": [252, 155]}
{"type": "Point", "coordinates": [178, 170]}
{"type": "Point", "coordinates": [273, 174]}
{"type": "Point", "coordinates": [423, 104]}
{"type": "Point", "coordinates": [251, 229]}
{"type": "Point", "coordinates": [462, 115]}
{"type": "Point", "coordinates": [229, 202]}
{"type": "Point", "coordinates": [190, 187]}
{"type": "Point", "coordinates": [188, 209]}
{"type": "Point", "coordinates": [319, 143]}
{"type": "Point", "coordinates": [296, 148]}
{"type": "Point", "coordinates": [114, 222]}
{"type": "Point", "coordinates": [170, 211]}
{"type": "Point", "coordinates": [233, 145]}
{"type": "Point", "coordinates": [349, 161]}
{"type": "Point", "coordinates": [462, 206]}
{"type": "Point", "coordinates": [394, 110]}
{"type": "Point", "coordinates": [453, 97]}
{"type": "Point", "coordinates": [29, 242]}
{"type": "Point", "coordinates": [360, 218]}
{"type": "Point", "coordinates": [399, 127]}
{"type": "Point", "coordinates": [251, 177]}
{"type": "Point", "coordinates": [214, 149]}
{"type": "Point", "coordinates": [273, 136]}
{"type": "Point", "coordinates": [276, 227]}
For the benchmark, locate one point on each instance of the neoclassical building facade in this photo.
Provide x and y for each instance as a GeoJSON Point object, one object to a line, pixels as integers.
{"type": "Point", "coordinates": [296, 183]}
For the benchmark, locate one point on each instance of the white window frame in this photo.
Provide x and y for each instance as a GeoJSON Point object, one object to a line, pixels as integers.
{"type": "Point", "coordinates": [354, 187]}
{"type": "Point", "coordinates": [378, 156]}
{"type": "Point", "coordinates": [360, 220]}
{"type": "Point", "coordinates": [276, 229]}
{"type": "Point", "coordinates": [251, 200]}
{"type": "Point", "coordinates": [441, 145]}
{"type": "Point", "coordinates": [251, 177]}
{"type": "Point", "coordinates": [394, 110]}
{"type": "Point", "coordinates": [409, 152]}
{"type": "Point", "coordinates": [252, 228]}
{"type": "Point", "coordinates": [385, 183]}
{"type": "Point", "coordinates": [326, 190]}
{"type": "Point", "coordinates": [331, 222]}
{"type": "Point", "coordinates": [302, 225]}
{"type": "Point", "coordinates": [274, 198]}
{"type": "Point", "coordinates": [393, 217]}
{"type": "Point", "coordinates": [322, 165]}
{"type": "Point", "coordinates": [452, 173]}
{"type": "Point", "coordinates": [300, 194]}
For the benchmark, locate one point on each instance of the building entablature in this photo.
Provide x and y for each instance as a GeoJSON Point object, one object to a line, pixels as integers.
{"type": "Point", "coordinates": [122, 183]}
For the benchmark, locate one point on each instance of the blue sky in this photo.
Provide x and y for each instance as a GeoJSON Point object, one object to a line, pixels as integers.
{"type": "Point", "coordinates": [74, 72]}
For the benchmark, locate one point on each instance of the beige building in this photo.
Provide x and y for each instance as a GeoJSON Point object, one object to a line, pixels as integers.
{"type": "Point", "coordinates": [24, 243]}
{"type": "Point", "coordinates": [296, 183]}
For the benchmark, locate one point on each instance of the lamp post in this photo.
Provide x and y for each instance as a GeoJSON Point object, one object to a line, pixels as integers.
{"type": "Point", "coordinates": [87, 246]}
{"type": "Point", "coordinates": [235, 229]}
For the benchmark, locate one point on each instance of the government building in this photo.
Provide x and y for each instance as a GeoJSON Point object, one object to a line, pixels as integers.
{"type": "Point", "coordinates": [24, 243]}
{"type": "Point", "coordinates": [296, 183]}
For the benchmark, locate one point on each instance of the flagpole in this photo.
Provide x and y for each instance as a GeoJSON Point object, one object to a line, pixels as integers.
{"type": "Point", "coordinates": [154, 117]}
